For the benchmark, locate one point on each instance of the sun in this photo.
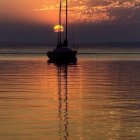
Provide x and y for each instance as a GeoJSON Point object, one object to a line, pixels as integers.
{"type": "Point", "coordinates": [58, 28]}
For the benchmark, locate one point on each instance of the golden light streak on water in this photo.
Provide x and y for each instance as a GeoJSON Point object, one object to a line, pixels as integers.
{"type": "Point", "coordinates": [91, 99]}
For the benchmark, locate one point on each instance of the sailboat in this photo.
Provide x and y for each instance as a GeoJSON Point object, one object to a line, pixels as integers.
{"type": "Point", "coordinates": [62, 52]}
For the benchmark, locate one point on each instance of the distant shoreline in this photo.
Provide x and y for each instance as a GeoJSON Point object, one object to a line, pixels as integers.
{"type": "Point", "coordinates": [35, 44]}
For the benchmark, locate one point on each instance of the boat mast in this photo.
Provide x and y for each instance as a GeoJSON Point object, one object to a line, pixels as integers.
{"type": "Point", "coordinates": [66, 40]}
{"type": "Point", "coordinates": [60, 20]}
{"type": "Point", "coordinates": [65, 44]}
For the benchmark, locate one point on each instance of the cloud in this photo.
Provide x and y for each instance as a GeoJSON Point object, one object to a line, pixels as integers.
{"type": "Point", "coordinates": [109, 10]}
{"type": "Point", "coordinates": [95, 20]}
{"type": "Point", "coordinates": [99, 11]}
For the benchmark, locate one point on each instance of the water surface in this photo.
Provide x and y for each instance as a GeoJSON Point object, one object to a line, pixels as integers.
{"type": "Point", "coordinates": [97, 98]}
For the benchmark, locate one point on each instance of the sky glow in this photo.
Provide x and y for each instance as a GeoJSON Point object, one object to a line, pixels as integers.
{"type": "Point", "coordinates": [81, 11]}
{"type": "Point", "coordinates": [99, 11]}
{"type": "Point", "coordinates": [94, 20]}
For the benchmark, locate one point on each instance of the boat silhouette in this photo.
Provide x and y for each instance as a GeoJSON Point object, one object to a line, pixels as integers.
{"type": "Point", "coordinates": [62, 52]}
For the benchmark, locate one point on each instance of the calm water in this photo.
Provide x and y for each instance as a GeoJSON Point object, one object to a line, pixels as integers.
{"type": "Point", "coordinates": [97, 98]}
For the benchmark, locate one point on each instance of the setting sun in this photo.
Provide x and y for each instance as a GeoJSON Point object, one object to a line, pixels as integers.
{"type": "Point", "coordinates": [58, 28]}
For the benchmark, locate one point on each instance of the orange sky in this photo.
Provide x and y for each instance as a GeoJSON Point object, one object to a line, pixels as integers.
{"type": "Point", "coordinates": [95, 16]}
{"type": "Point", "coordinates": [21, 10]}
{"type": "Point", "coordinates": [28, 11]}
{"type": "Point", "coordinates": [45, 11]}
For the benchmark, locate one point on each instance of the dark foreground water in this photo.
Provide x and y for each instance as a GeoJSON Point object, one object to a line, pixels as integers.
{"type": "Point", "coordinates": [96, 99]}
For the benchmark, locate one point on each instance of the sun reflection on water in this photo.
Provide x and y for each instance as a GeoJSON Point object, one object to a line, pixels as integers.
{"type": "Point", "coordinates": [82, 101]}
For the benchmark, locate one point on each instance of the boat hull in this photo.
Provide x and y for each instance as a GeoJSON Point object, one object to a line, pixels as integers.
{"type": "Point", "coordinates": [62, 54]}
